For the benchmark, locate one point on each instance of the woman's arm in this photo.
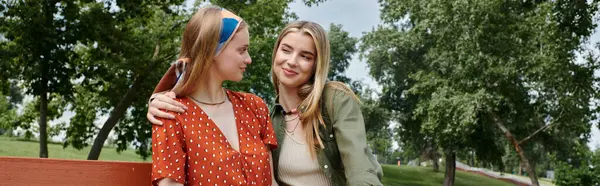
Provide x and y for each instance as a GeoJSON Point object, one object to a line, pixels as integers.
{"type": "Point", "coordinates": [350, 136]}
{"type": "Point", "coordinates": [164, 101]}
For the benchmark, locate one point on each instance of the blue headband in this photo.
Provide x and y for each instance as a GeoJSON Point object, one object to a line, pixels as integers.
{"type": "Point", "coordinates": [231, 23]}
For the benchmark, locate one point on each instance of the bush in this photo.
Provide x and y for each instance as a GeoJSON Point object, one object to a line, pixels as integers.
{"type": "Point", "coordinates": [586, 173]}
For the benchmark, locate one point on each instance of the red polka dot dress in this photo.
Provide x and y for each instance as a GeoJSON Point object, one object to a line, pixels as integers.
{"type": "Point", "coordinates": [193, 151]}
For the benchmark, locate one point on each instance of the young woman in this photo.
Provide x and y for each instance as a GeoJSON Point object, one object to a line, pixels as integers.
{"type": "Point", "coordinates": [224, 137]}
{"type": "Point", "coordinates": [318, 123]}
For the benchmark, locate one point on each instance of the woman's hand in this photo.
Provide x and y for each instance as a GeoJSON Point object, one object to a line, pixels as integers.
{"type": "Point", "coordinates": [164, 101]}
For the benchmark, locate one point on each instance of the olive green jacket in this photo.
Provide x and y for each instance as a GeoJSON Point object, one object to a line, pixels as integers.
{"type": "Point", "coordinates": [346, 159]}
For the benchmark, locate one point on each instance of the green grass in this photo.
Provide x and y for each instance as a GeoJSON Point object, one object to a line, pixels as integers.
{"type": "Point", "coordinates": [15, 147]}
{"type": "Point", "coordinates": [394, 175]}
{"type": "Point", "coordinates": [424, 176]}
{"type": "Point", "coordinates": [546, 181]}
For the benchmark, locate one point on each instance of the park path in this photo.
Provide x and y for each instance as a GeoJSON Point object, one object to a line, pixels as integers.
{"type": "Point", "coordinates": [517, 180]}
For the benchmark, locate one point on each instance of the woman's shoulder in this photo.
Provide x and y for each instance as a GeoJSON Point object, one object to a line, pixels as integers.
{"type": "Point", "coordinates": [336, 90]}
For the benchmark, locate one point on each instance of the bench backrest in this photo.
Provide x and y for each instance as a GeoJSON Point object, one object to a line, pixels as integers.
{"type": "Point", "coordinates": [39, 171]}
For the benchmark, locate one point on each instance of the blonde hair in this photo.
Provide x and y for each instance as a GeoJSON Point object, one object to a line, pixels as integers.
{"type": "Point", "coordinates": [199, 43]}
{"type": "Point", "coordinates": [312, 91]}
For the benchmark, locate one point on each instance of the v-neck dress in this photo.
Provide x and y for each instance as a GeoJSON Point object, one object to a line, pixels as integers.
{"type": "Point", "coordinates": [191, 149]}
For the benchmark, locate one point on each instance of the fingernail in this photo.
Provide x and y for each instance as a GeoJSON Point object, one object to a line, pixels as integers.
{"type": "Point", "coordinates": [171, 117]}
{"type": "Point", "coordinates": [185, 108]}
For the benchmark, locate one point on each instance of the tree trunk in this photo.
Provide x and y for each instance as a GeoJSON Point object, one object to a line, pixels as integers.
{"type": "Point", "coordinates": [520, 168]}
{"type": "Point", "coordinates": [522, 156]}
{"type": "Point", "coordinates": [42, 123]}
{"type": "Point", "coordinates": [116, 114]}
{"type": "Point", "coordinates": [43, 111]}
{"type": "Point", "coordinates": [527, 166]}
{"type": "Point", "coordinates": [436, 165]}
{"type": "Point", "coordinates": [434, 158]}
{"type": "Point", "coordinates": [450, 168]}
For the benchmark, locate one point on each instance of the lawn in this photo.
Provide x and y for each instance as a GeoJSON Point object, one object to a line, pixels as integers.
{"type": "Point", "coordinates": [20, 148]}
{"type": "Point", "coordinates": [393, 175]}
{"type": "Point", "coordinates": [424, 176]}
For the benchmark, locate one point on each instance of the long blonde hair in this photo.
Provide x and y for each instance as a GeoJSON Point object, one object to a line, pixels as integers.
{"type": "Point", "coordinates": [198, 46]}
{"type": "Point", "coordinates": [312, 91]}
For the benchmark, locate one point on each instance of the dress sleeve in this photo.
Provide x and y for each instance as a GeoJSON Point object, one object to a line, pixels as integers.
{"type": "Point", "coordinates": [268, 133]}
{"type": "Point", "coordinates": [168, 151]}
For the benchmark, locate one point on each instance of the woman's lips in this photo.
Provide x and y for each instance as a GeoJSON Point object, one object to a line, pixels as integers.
{"type": "Point", "coordinates": [289, 72]}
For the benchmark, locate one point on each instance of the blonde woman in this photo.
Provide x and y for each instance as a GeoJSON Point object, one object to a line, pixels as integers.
{"type": "Point", "coordinates": [318, 123]}
{"type": "Point", "coordinates": [224, 137]}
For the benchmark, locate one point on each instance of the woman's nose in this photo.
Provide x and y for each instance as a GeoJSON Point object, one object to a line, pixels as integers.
{"type": "Point", "coordinates": [293, 61]}
{"type": "Point", "coordinates": [248, 60]}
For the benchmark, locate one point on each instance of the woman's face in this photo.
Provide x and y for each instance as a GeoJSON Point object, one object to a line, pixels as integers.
{"type": "Point", "coordinates": [295, 59]}
{"type": "Point", "coordinates": [231, 63]}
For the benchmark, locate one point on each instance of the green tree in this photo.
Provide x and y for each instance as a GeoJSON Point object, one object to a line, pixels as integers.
{"type": "Point", "coordinates": [343, 47]}
{"type": "Point", "coordinates": [39, 40]}
{"type": "Point", "coordinates": [8, 107]}
{"type": "Point", "coordinates": [471, 69]}
{"type": "Point", "coordinates": [27, 120]}
{"type": "Point", "coordinates": [121, 59]}
{"type": "Point", "coordinates": [377, 120]}
{"type": "Point", "coordinates": [7, 115]}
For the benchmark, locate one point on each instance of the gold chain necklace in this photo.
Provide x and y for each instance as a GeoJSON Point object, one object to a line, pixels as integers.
{"type": "Point", "coordinates": [294, 130]}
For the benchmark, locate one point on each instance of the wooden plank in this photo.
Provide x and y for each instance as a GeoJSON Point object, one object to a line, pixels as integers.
{"type": "Point", "coordinates": [38, 171]}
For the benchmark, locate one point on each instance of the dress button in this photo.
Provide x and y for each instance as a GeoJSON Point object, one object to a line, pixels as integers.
{"type": "Point", "coordinates": [325, 166]}
{"type": "Point", "coordinates": [331, 135]}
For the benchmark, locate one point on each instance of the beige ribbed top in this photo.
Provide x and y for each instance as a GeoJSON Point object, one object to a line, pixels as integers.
{"type": "Point", "coordinates": [296, 167]}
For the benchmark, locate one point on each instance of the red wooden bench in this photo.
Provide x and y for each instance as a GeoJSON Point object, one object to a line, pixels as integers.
{"type": "Point", "coordinates": [39, 171]}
